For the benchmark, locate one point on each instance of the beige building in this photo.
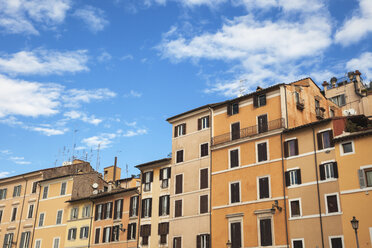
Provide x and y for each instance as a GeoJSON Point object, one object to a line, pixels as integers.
{"type": "Point", "coordinates": [155, 203]}
{"type": "Point", "coordinates": [190, 184]}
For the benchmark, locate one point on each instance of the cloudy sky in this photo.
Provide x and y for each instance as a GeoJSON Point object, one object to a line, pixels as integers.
{"type": "Point", "coordinates": [78, 75]}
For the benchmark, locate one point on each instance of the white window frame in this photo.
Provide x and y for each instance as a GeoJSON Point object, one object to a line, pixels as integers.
{"type": "Point", "coordinates": [208, 207]}
{"type": "Point", "coordinates": [183, 156]}
{"type": "Point", "coordinates": [200, 155]}
{"type": "Point", "coordinates": [107, 237]}
{"type": "Point", "coordinates": [201, 241]}
{"type": "Point", "coordinates": [54, 240]}
{"type": "Point", "coordinates": [179, 129]}
{"type": "Point", "coordinates": [338, 203]}
{"type": "Point", "coordinates": [335, 237]}
{"type": "Point", "coordinates": [47, 192]}
{"type": "Point", "coordinates": [174, 209]}
{"type": "Point", "coordinates": [267, 151]}
{"type": "Point", "coordinates": [258, 186]}
{"type": "Point", "coordinates": [59, 210]}
{"type": "Point", "coordinates": [28, 211]}
{"type": "Point", "coordinates": [236, 220]}
{"type": "Point", "coordinates": [204, 122]}
{"type": "Point", "coordinates": [65, 188]}
{"type": "Point", "coordinates": [264, 217]}
{"type": "Point", "coordinates": [232, 108]}
{"type": "Point", "coordinates": [290, 208]}
{"type": "Point", "coordinates": [36, 241]}
{"type": "Point", "coordinates": [328, 166]}
{"type": "Point", "coordinates": [298, 239]}
{"type": "Point", "coordinates": [44, 215]}
{"type": "Point", "coordinates": [240, 192]}
{"type": "Point", "coordinates": [290, 178]}
{"type": "Point", "coordinates": [342, 153]}
{"type": "Point", "coordinates": [229, 157]}
{"type": "Point", "coordinates": [183, 183]}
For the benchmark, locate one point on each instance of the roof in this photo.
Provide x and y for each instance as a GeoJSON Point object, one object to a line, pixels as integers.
{"type": "Point", "coordinates": [190, 111]}
{"type": "Point", "coordinates": [112, 192]}
{"type": "Point", "coordinates": [311, 124]}
{"type": "Point", "coordinates": [163, 160]}
{"type": "Point", "coordinates": [348, 136]}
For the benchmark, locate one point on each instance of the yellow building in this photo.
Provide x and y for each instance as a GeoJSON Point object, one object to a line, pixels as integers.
{"type": "Point", "coordinates": [155, 203]}
{"type": "Point", "coordinates": [353, 155]}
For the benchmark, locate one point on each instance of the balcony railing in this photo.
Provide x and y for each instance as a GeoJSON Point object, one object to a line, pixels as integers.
{"type": "Point", "coordinates": [248, 131]}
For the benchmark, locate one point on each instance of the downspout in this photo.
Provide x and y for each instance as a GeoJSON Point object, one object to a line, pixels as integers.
{"type": "Point", "coordinates": [210, 176]}
{"type": "Point", "coordinates": [36, 212]}
{"type": "Point", "coordinates": [286, 104]}
{"type": "Point", "coordinates": [140, 210]}
{"type": "Point", "coordinates": [90, 225]}
{"type": "Point", "coordinates": [284, 186]}
{"type": "Point", "coordinates": [317, 186]}
{"type": "Point", "coordinates": [20, 217]}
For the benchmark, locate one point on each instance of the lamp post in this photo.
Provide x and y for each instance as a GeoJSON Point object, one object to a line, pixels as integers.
{"type": "Point", "coordinates": [228, 244]}
{"type": "Point", "coordinates": [355, 225]}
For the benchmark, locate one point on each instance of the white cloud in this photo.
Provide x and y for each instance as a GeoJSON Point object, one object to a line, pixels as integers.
{"type": "Point", "coordinates": [363, 64]}
{"type": "Point", "coordinates": [131, 133]}
{"type": "Point", "coordinates": [104, 56]}
{"type": "Point", "coordinates": [358, 26]}
{"type": "Point", "coordinates": [127, 57]}
{"type": "Point", "coordinates": [187, 3]}
{"type": "Point", "coordinates": [75, 97]}
{"type": "Point", "coordinates": [131, 124]}
{"type": "Point", "coordinates": [93, 18]}
{"type": "Point", "coordinates": [44, 62]}
{"type": "Point", "coordinates": [4, 174]}
{"type": "Point", "coordinates": [21, 16]}
{"type": "Point", "coordinates": [102, 140]}
{"type": "Point", "coordinates": [6, 152]}
{"type": "Point", "coordinates": [73, 114]}
{"type": "Point", "coordinates": [285, 5]}
{"type": "Point", "coordinates": [49, 131]}
{"type": "Point", "coordinates": [19, 160]}
{"type": "Point", "coordinates": [134, 94]}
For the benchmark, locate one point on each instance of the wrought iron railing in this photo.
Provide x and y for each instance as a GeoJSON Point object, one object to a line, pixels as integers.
{"type": "Point", "coordinates": [248, 131]}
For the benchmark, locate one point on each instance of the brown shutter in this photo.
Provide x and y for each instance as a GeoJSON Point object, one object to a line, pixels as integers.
{"type": "Point", "coordinates": [286, 149]}
{"type": "Point", "coordinates": [160, 204]}
{"type": "Point", "coordinates": [208, 121]}
{"type": "Point", "coordinates": [161, 174]}
{"type": "Point", "coordinates": [184, 129]}
{"type": "Point", "coordinates": [330, 132]}
{"type": "Point", "coordinates": [121, 208]}
{"type": "Point", "coordinates": [229, 109]}
{"type": "Point", "coordinates": [168, 204]}
{"type": "Point", "coordinates": [169, 172]}
{"type": "Point", "coordinates": [298, 171]}
{"type": "Point", "coordinates": [255, 101]}
{"type": "Point", "coordinates": [236, 235]}
{"type": "Point", "coordinates": [296, 146]}
{"type": "Point", "coordinates": [116, 206]}
{"type": "Point", "coordinates": [203, 178]}
{"type": "Point", "coordinates": [322, 172]}
{"type": "Point", "coordinates": [199, 124]}
{"type": "Point", "coordinates": [111, 207]}
{"type": "Point", "coordinates": [179, 179]}
{"type": "Point", "coordinates": [335, 169]}
{"type": "Point", "coordinates": [204, 204]}
{"type": "Point", "coordinates": [96, 213]}
{"type": "Point", "coordinates": [178, 208]}
{"type": "Point", "coordinates": [320, 143]}
{"type": "Point", "coordinates": [96, 239]}
{"type": "Point", "coordinates": [265, 229]}
{"type": "Point", "coordinates": [198, 241]}
{"type": "Point", "coordinates": [175, 131]}
{"type": "Point", "coordinates": [129, 231]}
{"type": "Point", "coordinates": [151, 176]}
{"type": "Point", "coordinates": [143, 209]}
{"type": "Point", "coordinates": [208, 241]}
{"type": "Point", "coordinates": [131, 207]}
{"type": "Point", "coordinates": [287, 179]}
{"type": "Point", "coordinates": [362, 180]}
{"type": "Point", "coordinates": [264, 187]}
{"type": "Point", "coordinates": [163, 228]}
{"type": "Point", "coordinates": [150, 211]}
{"type": "Point", "coordinates": [103, 213]}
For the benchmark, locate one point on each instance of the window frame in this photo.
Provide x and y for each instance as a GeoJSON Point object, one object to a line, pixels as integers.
{"type": "Point", "coordinates": [72, 213]}
{"type": "Point", "coordinates": [28, 211]}
{"type": "Point", "coordinates": [183, 156]}
{"type": "Point", "coordinates": [299, 206]}
{"type": "Point", "coordinates": [36, 241]}
{"type": "Point", "coordinates": [229, 156]}
{"type": "Point", "coordinates": [342, 152]}
{"type": "Point", "coordinates": [175, 184]}
{"type": "Point", "coordinates": [180, 130]}
{"type": "Point", "coordinates": [82, 232]}
{"type": "Point", "coordinates": [201, 150]}
{"type": "Point", "coordinates": [17, 190]}
{"type": "Point", "coordinates": [330, 135]}
{"type": "Point", "coordinates": [13, 216]}
{"type": "Point", "coordinates": [58, 211]}
{"type": "Point", "coordinates": [267, 151]}
{"type": "Point", "coordinates": [45, 192]}
{"type": "Point", "coordinates": [336, 237]}
{"type": "Point", "coordinates": [54, 242]}
{"type": "Point", "coordinates": [149, 209]}
{"type": "Point", "coordinates": [230, 193]}
{"type": "Point", "coordinates": [338, 203]}
{"type": "Point", "coordinates": [174, 214]}
{"type": "Point", "coordinates": [298, 179]}
{"type": "Point", "coordinates": [236, 220]}
{"type": "Point", "coordinates": [42, 223]}
{"type": "Point", "coordinates": [63, 189]}
{"type": "Point", "coordinates": [232, 137]}
{"type": "Point", "coordinates": [132, 230]}
{"type": "Point", "coordinates": [200, 197]}
{"type": "Point", "coordinates": [258, 187]}
{"type": "Point", "coordinates": [298, 239]}
{"type": "Point", "coordinates": [272, 229]}
{"type": "Point", "coordinates": [71, 233]}
{"type": "Point", "coordinates": [200, 178]}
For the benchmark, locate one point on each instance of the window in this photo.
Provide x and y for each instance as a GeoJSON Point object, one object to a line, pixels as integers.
{"type": "Point", "coordinates": [234, 192]}
{"type": "Point", "coordinates": [180, 130]}
{"type": "Point", "coordinates": [179, 184]}
{"type": "Point", "coordinates": [56, 243]}
{"type": "Point", "coordinates": [41, 219]}
{"type": "Point", "coordinates": [164, 205]}
{"type": "Point", "coordinates": [165, 174]}
{"type": "Point", "coordinates": [179, 156]}
{"type": "Point", "coordinates": [259, 101]}
{"type": "Point", "coordinates": [235, 131]}
{"type": "Point", "coordinates": [96, 236]}
{"type": "Point", "coordinates": [332, 203]}
{"type": "Point", "coordinates": [295, 208]}
{"type": "Point", "coordinates": [234, 158]}
{"type": "Point", "coordinates": [145, 232]}
{"type": "Point", "coordinates": [17, 191]}
{"type": "Point", "coordinates": [133, 208]}
{"type": "Point", "coordinates": [290, 148]}
{"type": "Point", "coordinates": [118, 214]}
{"type": "Point", "coordinates": [204, 178]}
{"type": "Point", "coordinates": [263, 187]}
{"type": "Point", "coordinates": [34, 187]}
{"type": "Point", "coordinates": [30, 211]}
{"type": "Point", "coordinates": [339, 100]}
{"type": "Point", "coordinates": [3, 194]}
{"type": "Point", "coordinates": [14, 214]}
{"type": "Point", "coordinates": [74, 213]}
{"type": "Point", "coordinates": [336, 242]}
{"type": "Point", "coordinates": [261, 152]}
{"type": "Point", "coordinates": [328, 171]}
{"type": "Point", "coordinates": [71, 234]}
{"type": "Point", "coordinates": [265, 232]}
{"type": "Point", "coordinates": [203, 241]}
{"type": "Point", "coordinates": [297, 243]}
{"type": "Point", "coordinates": [347, 148]}
{"type": "Point", "coordinates": [38, 243]}
{"type": "Point", "coordinates": [204, 150]}
{"type": "Point", "coordinates": [203, 123]}
{"type": "Point", "coordinates": [293, 177]}
{"type": "Point", "coordinates": [325, 139]}
{"type": "Point", "coordinates": [45, 192]}
{"type": "Point", "coordinates": [63, 188]}
{"type": "Point", "coordinates": [84, 232]}
{"type": "Point", "coordinates": [177, 242]}
{"type": "Point", "coordinates": [233, 108]}
{"type": "Point", "coordinates": [1, 215]}
{"type": "Point", "coordinates": [178, 208]}
{"type": "Point", "coordinates": [146, 207]}
{"type": "Point", "coordinates": [131, 234]}
{"type": "Point", "coordinates": [99, 212]}
{"type": "Point", "coordinates": [25, 240]}
{"type": "Point", "coordinates": [86, 211]}
{"type": "Point", "coordinates": [106, 235]}
{"type": "Point", "coordinates": [262, 124]}
{"type": "Point", "coordinates": [163, 231]}
{"type": "Point", "coordinates": [59, 217]}
{"type": "Point", "coordinates": [147, 180]}
{"type": "Point", "coordinates": [203, 208]}
{"type": "Point", "coordinates": [8, 240]}
{"type": "Point", "coordinates": [115, 233]}
{"type": "Point", "coordinates": [236, 234]}
{"type": "Point", "coordinates": [331, 113]}
{"type": "Point", "coordinates": [108, 212]}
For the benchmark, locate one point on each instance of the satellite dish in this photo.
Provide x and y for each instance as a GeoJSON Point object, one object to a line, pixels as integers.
{"type": "Point", "coordinates": [95, 185]}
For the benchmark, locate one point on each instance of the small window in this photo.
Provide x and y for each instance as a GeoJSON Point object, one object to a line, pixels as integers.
{"type": "Point", "coordinates": [178, 208]}
{"type": "Point", "coordinates": [336, 242]}
{"type": "Point", "coordinates": [339, 100]}
{"type": "Point", "coordinates": [204, 150]}
{"type": "Point", "coordinates": [331, 113]}
{"type": "Point", "coordinates": [147, 180]}
{"type": "Point", "coordinates": [108, 212]}
{"type": "Point", "coordinates": [234, 158]}
{"type": "Point", "coordinates": [8, 240]}
{"type": "Point", "coordinates": [146, 208]}
{"type": "Point", "coordinates": [180, 130]}
{"type": "Point", "coordinates": [261, 100]}
{"type": "Point", "coordinates": [84, 232]}
{"type": "Point", "coordinates": [233, 108]}
{"type": "Point", "coordinates": [297, 243]}
{"type": "Point", "coordinates": [265, 232]}
{"type": "Point", "coordinates": [368, 173]}
{"type": "Point", "coordinates": [98, 213]}
{"type": "Point", "coordinates": [236, 234]}
{"type": "Point", "coordinates": [164, 205]}
{"type": "Point", "coordinates": [203, 204]}
{"type": "Point", "coordinates": [115, 233]}
{"type": "Point", "coordinates": [86, 211]}
{"type": "Point", "coordinates": [14, 214]}
{"type": "Point", "coordinates": [293, 177]}
{"type": "Point", "coordinates": [41, 219]}
{"type": "Point", "coordinates": [71, 234]}
{"type": "Point", "coordinates": [163, 230]}
{"type": "Point", "coordinates": [291, 148]}
{"type": "Point", "coordinates": [74, 213]}
{"type": "Point", "coordinates": [204, 178]}
{"type": "Point", "coordinates": [131, 231]}
{"type": "Point", "coordinates": [133, 206]}
{"type": "Point", "coordinates": [118, 213]}
{"type": "Point", "coordinates": [325, 139]}
{"type": "Point", "coordinates": [97, 235]}
{"type": "Point", "coordinates": [235, 192]}
{"type": "Point", "coordinates": [295, 208]}
{"type": "Point", "coordinates": [264, 188]}
{"type": "Point", "coordinates": [165, 174]}
{"type": "Point", "coordinates": [3, 194]}
{"type": "Point", "coordinates": [106, 235]}
{"type": "Point", "coordinates": [328, 171]}
{"type": "Point", "coordinates": [63, 188]}
{"type": "Point", "coordinates": [59, 217]}
{"type": "Point", "coordinates": [1, 215]}
{"type": "Point", "coordinates": [30, 211]}
{"type": "Point", "coordinates": [17, 191]}
{"type": "Point", "coordinates": [34, 187]}
{"type": "Point", "coordinates": [263, 125]}
{"type": "Point", "coordinates": [177, 242]}
{"type": "Point", "coordinates": [203, 241]}
{"type": "Point", "coordinates": [45, 192]}
{"type": "Point", "coordinates": [38, 243]}
{"type": "Point", "coordinates": [56, 243]}
{"type": "Point", "coordinates": [347, 148]}
{"type": "Point", "coordinates": [179, 184]}
{"type": "Point", "coordinates": [235, 131]}
{"type": "Point", "coordinates": [332, 203]}
{"type": "Point", "coordinates": [203, 123]}
{"type": "Point", "coordinates": [179, 156]}
{"type": "Point", "coordinates": [262, 152]}
{"type": "Point", "coordinates": [25, 239]}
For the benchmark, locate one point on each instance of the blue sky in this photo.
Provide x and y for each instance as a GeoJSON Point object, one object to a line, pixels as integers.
{"type": "Point", "coordinates": [78, 74]}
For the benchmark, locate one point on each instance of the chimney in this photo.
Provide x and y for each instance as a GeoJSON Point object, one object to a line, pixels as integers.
{"type": "Point", "coordinates": [357, 76]}
{"type": "Point", "coordinates": [258, 88]}
{"type": "Point", "coordinates": [325, 86]}
{"type": "Point", "coordinates": [333, 82]}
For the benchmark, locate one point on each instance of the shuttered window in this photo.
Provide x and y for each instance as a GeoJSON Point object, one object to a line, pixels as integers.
{"type": "Point", "coordinates": [297, 244]}
{"type": "Point", "coordinates": [164, 205]}
{"type": "Point", "coordinates": [265, 232]}
{"type": "Point", "coordinates": [328, 171]}
{"type": "Point", "coordinates": [97, 234]}
{"type": "Point", "coordinates": [262, 152]}
{"type": "Point", "coordinates": [14, 214]}
{"type": "Point", "coordinates": [204, 150]}
{"type": "Point", "coordinates": [179, 184]}
{"type": "Point", "coordinates": [264, 191]}
{"type": "Point", "coordinates": [163, 231]}
{"type": "Point", "coordinates": [63, 188]}
{"type": "Point", "coordinates": [131, 234]}
{"type": "Point", "coordinates": [118, 209]}
{"type": "Point", "coordinates": [295, 208]}
{"type": "Point", "coordinates": [179, 156]}
{"type": "Point", "coordinates": [259, 100]}
{"type": "Point", "coordinates": [106, 237]}
{"type": "Point", "coordinates": [234, 158]}
{"type": "Point", "coordinates": [336, 242]}
{"type": "Point", "coordinates": [203, 122]}
{"type": "Point", "coordinates": [178, 208]}
{"type": "Point", "coordinates": [115, 233]}
{"type": "Point", "coordinates": [203, 241]}
{"type": "Point", "coordinates": [30, 211]}
{"type": "Point", "coordinates": [332, 204]}
{"type": "Point", "coordinates": [236, 235]}
{"type": "Point", "coordinates": [233, 108]}
{"type": "Point", "coordinates": [34, 187]}
{"type": "Point", "coordinates": [235, 131]}
{"type": "Point", "coordinates": [45, 192]}
{"type": "Point", "coordinates": [180, 130]}
{"type": "Point", "coordinates": [204, 178]}
{"type": "Point", "coordinates": [234, 192]}
{"type": "Point", "coordinates": [59, 217]}
{"type": "Point", "coordinates": [25, 240]}
{"type": "Point", "coordinates": [293, 177]}
{"type": "Point", "coordinates": [133, 206]}
{"type": "Point", "coordinates": [177, 242]}
{"type": "Point", "coordinates": [203, 204]}
{"type": "Point", "coordinates": [291, 148]}
{"type": "Point", "coordinates": [262, 124]}
{"type": "Point", "coordinates": [325, 139]}
{"type": "Point", "coordinates": [8, 240]}
{"type": "Point", "coordinates": [146, 208]}
{"type": "Point", "coordinates": [145, 232]}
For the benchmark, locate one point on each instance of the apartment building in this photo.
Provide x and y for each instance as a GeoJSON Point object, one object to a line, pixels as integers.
{"type": "Point", "coordinates": [248, 207]}
{"type": "Point", "coordinates": [353, 155]}
{"type": "Point", "coordinates": [115, 218]}
{"type": "Point", "coordinates": [190, 181]}
{"type": "Point", "coordinates": [155, 203]}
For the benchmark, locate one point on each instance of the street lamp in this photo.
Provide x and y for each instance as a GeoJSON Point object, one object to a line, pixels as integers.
{"type": "Point", "coordinates": [228, 244]}
{"type": "Point", "coordinates": [355, 225]}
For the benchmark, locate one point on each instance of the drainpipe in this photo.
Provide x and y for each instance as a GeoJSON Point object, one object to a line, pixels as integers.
{"type": "Point", "coordinates": [90, 225]}
{"type": "Point", "coordinates": [284, 186]}
{"type": "Point", "coordinates": [140, 210]}
{"type": "Point", "coordinates": [317, 187]}
{"type": "Point", "coordinates": [286, 104]}
{"type": "Point", "coordinates": [23, 204]}
{"type": "Point", "coordinates": [36, 212]}
{"type": "Point", "coordinates": [210, 176]}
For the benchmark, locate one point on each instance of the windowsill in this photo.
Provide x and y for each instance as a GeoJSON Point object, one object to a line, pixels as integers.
{"type": "Point", "coordinates": [329, 180]}
{"type": "Point", "coordinates": [295, 217]}
{"type": "Point", "coordinates": [293, 186]}
{"type": "Point", "coordinates": [133, 217]}
{"type": "Point", "coordinates": [235, 203]}
{"type": "Point", "coordinates": [333, 214]}
{"type": "Point", "coordinates": [345, 154]}
{"type": "Point", "coordinates": [164, 216]}
{"type": "Point", "coordinates": [117, 220]}
{"type": "Point", "coordinates": [263, 199]}
{"type": "Point", "coordinates": [263, 161]}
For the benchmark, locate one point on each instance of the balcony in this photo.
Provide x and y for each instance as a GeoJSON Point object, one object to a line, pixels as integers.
{"type": "Point", "coordinates": [319, 111]}
{"type": "Point", "coordinates": [248, 132]}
